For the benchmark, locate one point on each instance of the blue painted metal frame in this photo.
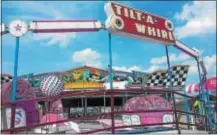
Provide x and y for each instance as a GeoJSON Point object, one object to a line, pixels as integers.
{"type": "Point", "coordinates": [187, 108]}
{"type": "Point", "coordinates": [210, 110]}
{"type": "Point", "coordinates": [169, 70]}
{"type": "Point", "coordinates": [111, 84]}
{"type": "Point", "coordinates": [204, 96]}
{"type": "Point", "coordinates": [200, 88]}
{"type": "Point", "coordinates": [110, 63]}
{"type": "Point", "coordinates": [171, 84]}
{"type": "Point", "coordinates": [15, 70]}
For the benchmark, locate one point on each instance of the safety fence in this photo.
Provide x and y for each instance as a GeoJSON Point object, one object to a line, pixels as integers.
{"type": "Point", "coordinates": [113, 120]}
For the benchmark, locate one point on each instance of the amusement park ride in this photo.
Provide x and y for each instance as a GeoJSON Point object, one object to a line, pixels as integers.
{"type": "Point", "coordinates": [122, 20]}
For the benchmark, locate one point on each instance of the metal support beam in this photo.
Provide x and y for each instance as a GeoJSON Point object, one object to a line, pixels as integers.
{"type": "Point", "coordinates": [13, 113]}
{"type": "Point", "coordinates": [187, 109]}
{"type": "Point", "coordinates": [14, 90]}
{"type": "Point", "coordinates": [15, 70]}
{"type": "Point", "coordinates": [201, 92]}
{"type": "Point", "coordinates": [82, 105]}
{"type": "Point", "coordinates": [111, 84]}
{"type": "Point", "coordinates": [169, 73]}
{"type": "Point", "coordinates": [85, 106]}
{"type": "Point", "coordinates": [175, 112]}
{"type": "Point", "coordinates": [104, 100]}
{"type": "Point", "coordinates": [110, 63]}
{"type": "Point", "coordinates": [62, 26]}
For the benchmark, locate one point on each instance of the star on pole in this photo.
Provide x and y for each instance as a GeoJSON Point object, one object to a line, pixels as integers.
{"type": "Point", "coordinates": [18, 27]}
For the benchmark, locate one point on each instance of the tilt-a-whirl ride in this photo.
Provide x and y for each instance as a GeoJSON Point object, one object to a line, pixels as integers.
{"type": "Point", "coordinates": [92, 100]}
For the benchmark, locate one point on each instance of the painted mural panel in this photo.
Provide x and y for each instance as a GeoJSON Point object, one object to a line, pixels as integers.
{"type": "Point", "coordinates": [140, 77]}
{"type": "Point", "coordinates": [84, 77]}
{"type": "Point", "coordinates": [81, 75]}
{"type": "Point", "coordinates": [122, 76]}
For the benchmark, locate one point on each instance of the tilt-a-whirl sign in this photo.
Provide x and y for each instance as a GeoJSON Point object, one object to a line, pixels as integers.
{"type": "Point", "coordinates": [126, 21]}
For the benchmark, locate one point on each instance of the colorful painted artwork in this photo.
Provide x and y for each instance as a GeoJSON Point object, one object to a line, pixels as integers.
{"type": "Point", "coordinates": [96, 75]}
{"type": "Point", "coordinates": [24, 92]}
{"type": "Point", "coordinates": [140, 77]}
{"type": "Point", "coordinates": [121, 75]}
{"type": "Point", "coordinates": [27, 77]}
{"type": "Point", "coordinates": [20, 117]}
{"type": "Point", "coordinates": [83, 77]}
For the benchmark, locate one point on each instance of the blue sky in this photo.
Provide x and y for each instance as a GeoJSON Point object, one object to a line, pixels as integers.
{"type": "Point", "coordinates": [195, 25]}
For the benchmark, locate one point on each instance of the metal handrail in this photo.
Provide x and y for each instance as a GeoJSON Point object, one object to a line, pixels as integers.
{"type": "Point", "coordinates": [13, 104]}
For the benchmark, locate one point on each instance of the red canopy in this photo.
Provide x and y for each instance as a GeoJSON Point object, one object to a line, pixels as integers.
{"type": "Point", "coordinates": [210, 84]}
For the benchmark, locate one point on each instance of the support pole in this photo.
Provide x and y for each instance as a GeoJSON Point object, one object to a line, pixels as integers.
{"type": "Point", "coordinates": [187, 109]}
{"type": "Point", "coordinates": [201, 93]}
{"type": "Point", "coordinates": [126, 97]}
{"type": "Point", "coordinates": [82, 104]}
{"type": "Point", "coordinates": [111, 84]}
{"type": "Point", "coordinates": [13, 113]}
{"type": "Point", "coordinates": [169, 72]}
{"type": "Point", "coordinates": [104, 100]}
{"type": "Point", "coordinates": [175, 112]}
{"type": "Point", "coordinates": [15, 70]}
{"type": "Point", "coordinates": [207, 120]}
{"type": "Point", "coordinates": [85, 106]}
{"type": "Point", "coordinates": [210, 116]}
{"type": "Point", "coordinates": [110, 63]}
{"type": "Point", "coordinates": [14, 90]}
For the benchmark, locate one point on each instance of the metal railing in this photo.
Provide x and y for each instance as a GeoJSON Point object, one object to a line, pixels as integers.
{"type": "Point", "coordinates": [111, 115]}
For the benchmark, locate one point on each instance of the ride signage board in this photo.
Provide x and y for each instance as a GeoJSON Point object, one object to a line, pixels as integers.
{"type": "Point", "coordinates": [126, 21]}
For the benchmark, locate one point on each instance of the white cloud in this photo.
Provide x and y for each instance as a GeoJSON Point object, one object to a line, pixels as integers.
{"type": "Point", "coordinates": [193, 66]}
{"type": "Point", "coordinates": [172, 57]}
{"type": "Point", "coordinates": [61, 39]}
{"type": "Point", "coordinates": [209, 62]}
{"type": "Point", "coordinates": [199, 18]}
{"type": "Point", "coordinates": [160, 63]}
{"type": "Point", "coordinates": [88, 57]}
{"type": "Point", "coordinates": [127, 69]}
{"type": "Point", "coordinates": [137, 68]}
{"type": "Point", "coordinates": [154, 68]}
{"type": "Point", "coordinates": [35, 11]}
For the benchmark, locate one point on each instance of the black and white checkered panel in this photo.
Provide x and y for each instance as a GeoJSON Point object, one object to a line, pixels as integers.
{"type": "Point", "coordinates": [5, 79]}
{"type": "Point", "coordinates": [161, 78]}
{"type": "Point", "coordinates": [178, 76]}
{"type": "Point", "coordinates": [156, 79]}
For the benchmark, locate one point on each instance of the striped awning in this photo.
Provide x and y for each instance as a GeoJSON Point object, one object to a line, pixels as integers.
{"type": "Point", "coordinates": [192, 89]}
{"type": "Point", "coordinates": [209, 85]}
